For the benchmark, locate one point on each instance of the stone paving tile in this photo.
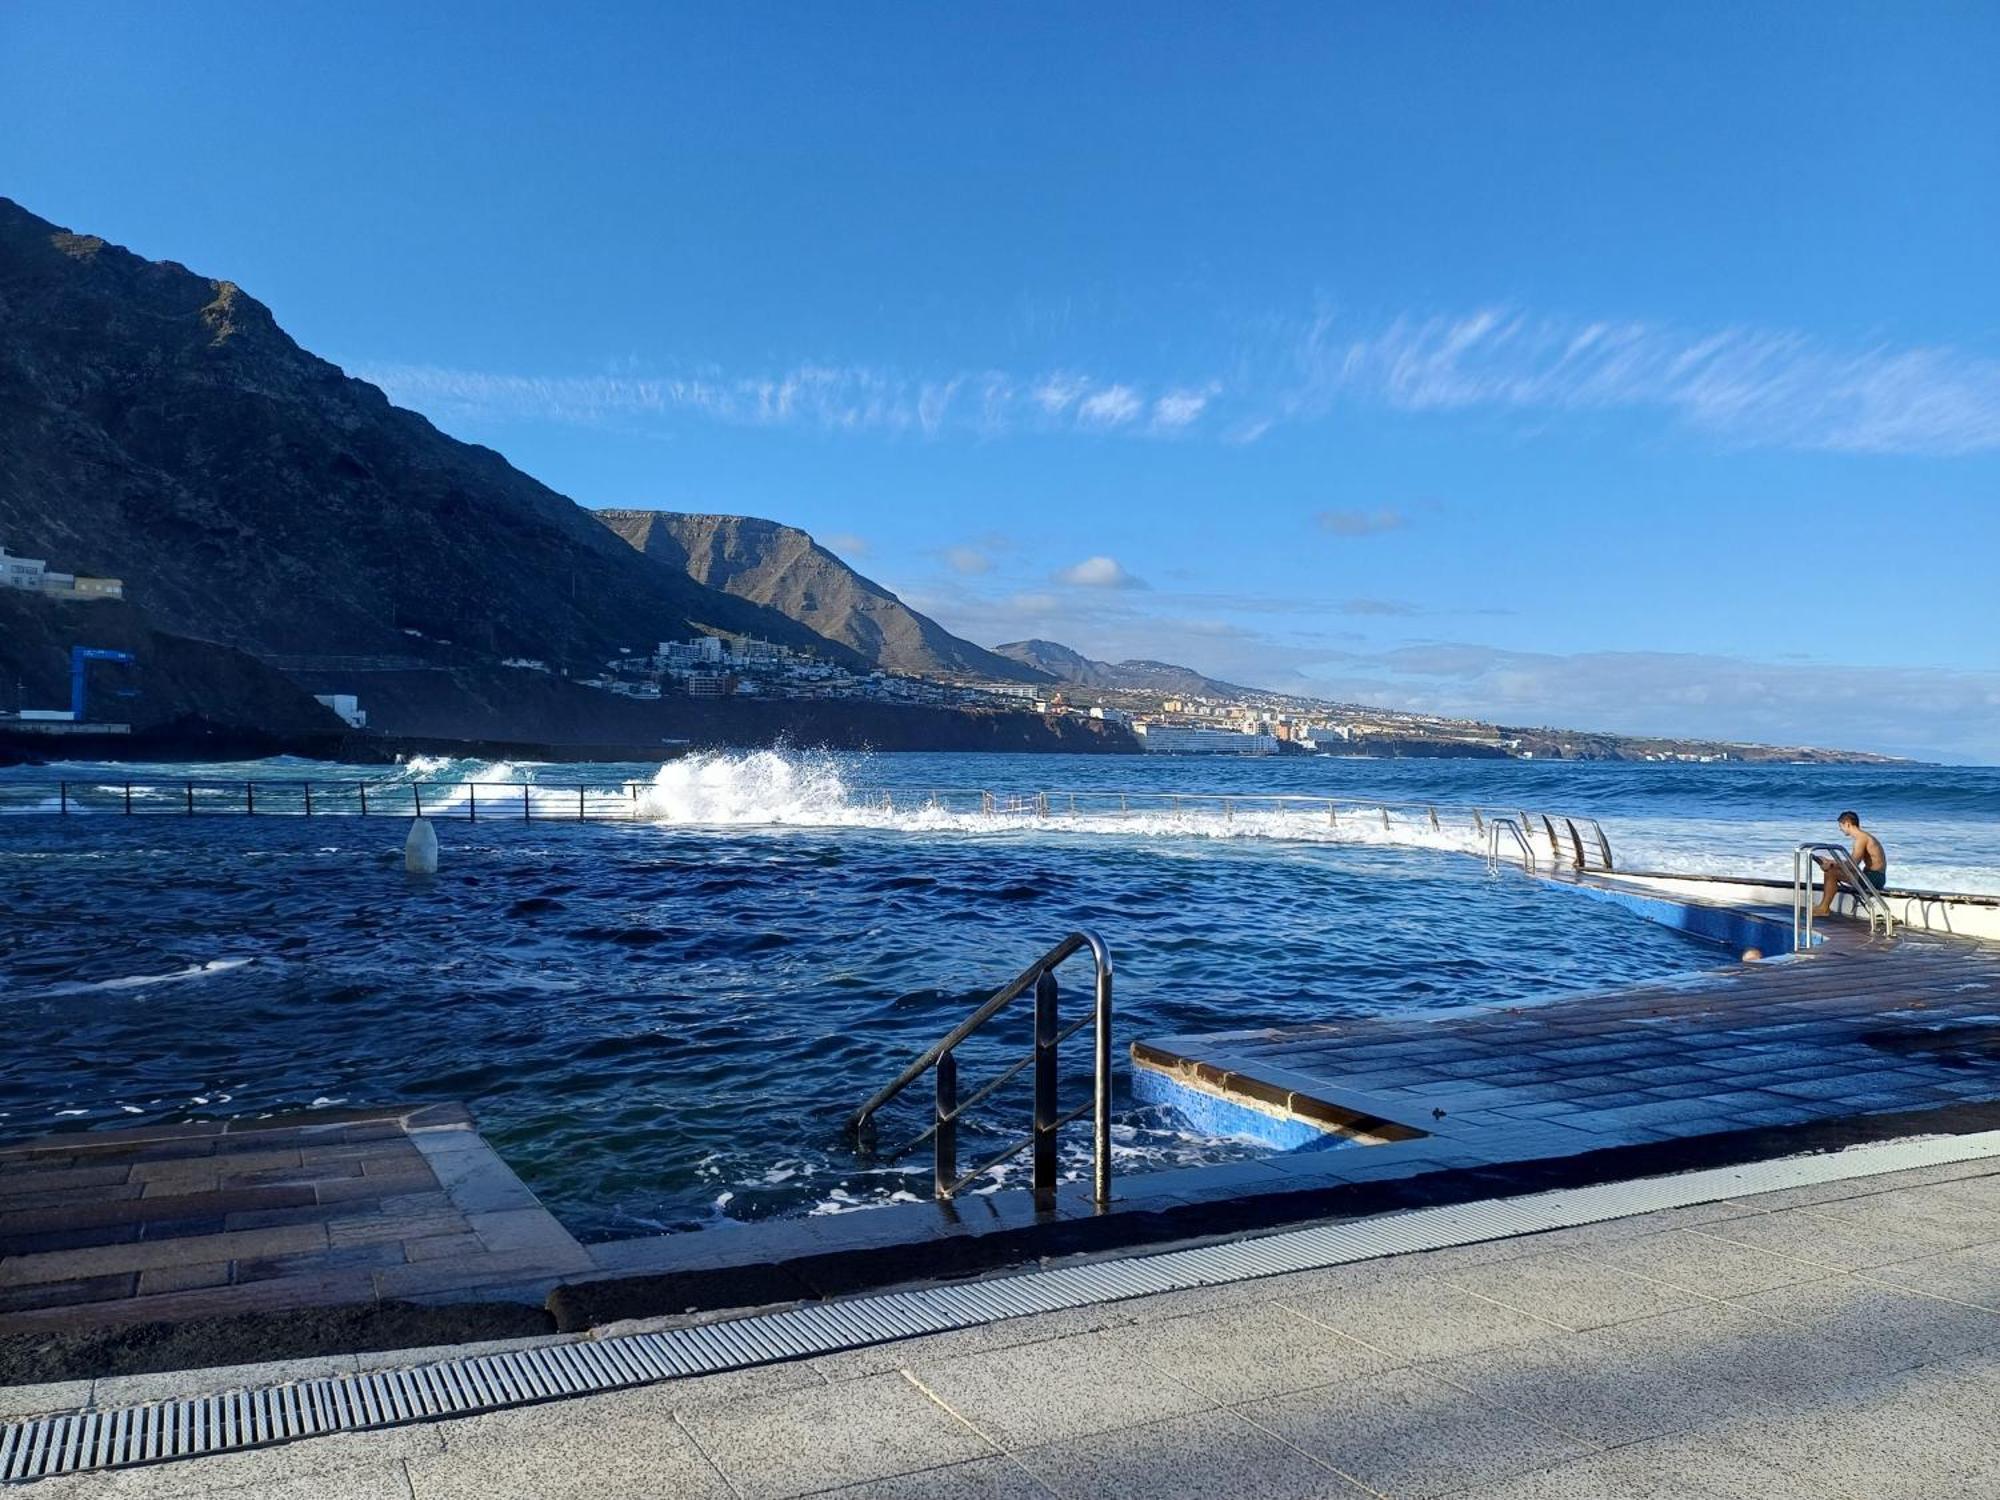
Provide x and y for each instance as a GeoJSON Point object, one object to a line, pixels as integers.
{"type": "Point", "coordinates": [1705, 1265]}
{"type": "Point", "coordinates": [1239, 1354]}
{"type": "Point", "coordinates": [1906, 1326]}
{"type": "Point", "coordinates": [380, 1480]}
{"type": "Point", "coordinates": [1932, 1216]}
{"type": "Point", "coordinates": [623, 1446]}
{"type": "Point", "coordinates": [70, 1265]}
{"type": "Point", "coordinates": [325, 1461]}
{"type": "Point", "coordinates": [38, 1400]}
{"type": "Point", "coordinates": [1215, 1453]}
{"type": "Point", "coordinates": [1570, 1290]}
{"type": "Point", "coordinates": [1722, 1347]}
{"type": "Point", "coordinates": [1426, 1318]}
{"type": "Point", "coordinates": [1010, 1333]}
{"type": "Point", "coordinates": [1049, 1392]}
{"type": "Point", "coordinates": [1809, 1235]}
{"type": "Point", "coordinates": [1408, 1433]}
{"type": "Point", "coordinates": [1902, 1437]}
{"type": "Point", "coordinates": [1970, 1276]}
{"type": "Point", "coordinates": [1685, 1466]}
{"type": "Point", "coordinates": [849, 1433]}
{"type": "Point", "coordinates": [1579, 1387]}
{"type": "Point", "coordinates": [981, 1479]}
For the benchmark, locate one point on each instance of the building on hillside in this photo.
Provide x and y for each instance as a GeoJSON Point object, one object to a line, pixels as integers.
{"type": "Point", "coordinates": [1176, 739]}
{"type": "Point", "coordinates": [21, 572]}
{"type": "Point", "coordinates": [33, 573]}
{"type": "Point", "coordinates": [347, 706]}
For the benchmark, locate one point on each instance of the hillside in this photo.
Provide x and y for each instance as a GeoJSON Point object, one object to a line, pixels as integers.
{"type": "Point", "coordinates": [1136, 676]}
{"type": "Point", "coordinates": [158, 426]}
{"type": "Point", "coordinates": [785, 569]}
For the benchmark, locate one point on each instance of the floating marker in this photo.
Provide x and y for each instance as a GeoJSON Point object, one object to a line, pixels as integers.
{"type": "Point", "coordinates": [420, 850]}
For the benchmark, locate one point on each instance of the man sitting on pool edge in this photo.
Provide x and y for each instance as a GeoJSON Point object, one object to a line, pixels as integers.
{"type": "Point", "coordinates": [1869, 855]}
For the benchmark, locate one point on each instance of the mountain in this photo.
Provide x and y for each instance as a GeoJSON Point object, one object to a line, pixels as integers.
{"type": "Point", "coordinates": [158, 426]}
{"type": "Point", "coordinates": [1137, 676]}
{"type": "Point", "coordinates": [785, 569]}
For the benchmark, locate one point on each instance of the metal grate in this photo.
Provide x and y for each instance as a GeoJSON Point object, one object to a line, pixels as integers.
{"type": "Point", "coordinates": [116, 1437]}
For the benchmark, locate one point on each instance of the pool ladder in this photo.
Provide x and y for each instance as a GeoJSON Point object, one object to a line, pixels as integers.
{"type": "Point", "coordinates": [1881, 916]}
{"type": "Point", "coordinates": [949, 1107]}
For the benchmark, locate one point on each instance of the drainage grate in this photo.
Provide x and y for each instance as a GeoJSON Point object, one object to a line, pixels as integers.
{"type": "Point", "coordinates": [234, 1420]}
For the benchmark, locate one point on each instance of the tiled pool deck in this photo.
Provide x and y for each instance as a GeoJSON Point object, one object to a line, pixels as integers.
{"type": "Point", "coordinates": [183, 1223]}
{"type": "Point", "coordinates": [1856, 1026]}
{"type": "Point", "coordinates": [1836, 1342]}
{"type": "Point", "coordinates": [1857, 1040]}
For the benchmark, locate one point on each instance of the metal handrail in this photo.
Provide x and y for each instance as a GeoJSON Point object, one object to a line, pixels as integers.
{"type": "Point", "coordinates": [1881, 916]}
{"type": "Point", "coordinates": [948, 1108]}
{"type": "Point", "coordinates": [1493, 828]}
{"type": "Point", "coordinates": [284, 797]}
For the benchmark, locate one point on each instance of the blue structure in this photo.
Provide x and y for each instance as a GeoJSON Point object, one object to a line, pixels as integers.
{"type": "Point", "coordinates": [80, 658]}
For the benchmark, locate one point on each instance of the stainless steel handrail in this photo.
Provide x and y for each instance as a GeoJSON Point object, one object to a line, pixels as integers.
{"type": "Point", "coordinates": [948, 1108]}
{"type": "Point", "coordinates": [1493, 827]}
{"type": "Point", "coordinates": [1881, 916]}
{"type": "Point", "coordinates": [285, 797]}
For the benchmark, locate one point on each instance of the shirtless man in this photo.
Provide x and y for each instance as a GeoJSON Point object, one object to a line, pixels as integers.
{"type": "Point", "coordinates": [1869, 856]}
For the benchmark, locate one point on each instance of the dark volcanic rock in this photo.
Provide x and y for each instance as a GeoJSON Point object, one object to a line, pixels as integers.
{"type": "Point", "coordinates": [158, 426]}
{"type": "Point", "coordinates": [781, 566]}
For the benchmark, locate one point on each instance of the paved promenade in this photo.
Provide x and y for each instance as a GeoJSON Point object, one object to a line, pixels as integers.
{"type": "Point", "coordinates": [1838, 1342]}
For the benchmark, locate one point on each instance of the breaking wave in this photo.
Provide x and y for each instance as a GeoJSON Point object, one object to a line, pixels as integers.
{"type": "Point", "coordinates": [774, 788]}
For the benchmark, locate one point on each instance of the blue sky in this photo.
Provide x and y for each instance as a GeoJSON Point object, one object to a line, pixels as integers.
{"type": "Point", "coordinates": [1614, 366]}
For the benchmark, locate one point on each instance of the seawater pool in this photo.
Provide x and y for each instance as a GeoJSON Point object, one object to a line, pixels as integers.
{"type": "Point", "coordinates": [663, 1023]}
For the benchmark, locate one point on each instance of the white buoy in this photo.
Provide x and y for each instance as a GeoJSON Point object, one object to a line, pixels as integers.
{"type": "Point", "coordinates": [420, 850]}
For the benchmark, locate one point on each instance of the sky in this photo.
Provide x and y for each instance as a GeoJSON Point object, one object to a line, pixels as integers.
{"type": "Point", "coordinates": [1610, 366]}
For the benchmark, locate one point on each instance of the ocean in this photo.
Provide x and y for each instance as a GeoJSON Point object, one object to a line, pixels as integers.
{"type": "Point", "coordinates": [663, 1014]}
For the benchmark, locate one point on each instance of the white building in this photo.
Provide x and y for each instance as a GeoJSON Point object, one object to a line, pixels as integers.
{"type": "Point", "coordinates": [347, 706]}
{"type": "Point", "coordinates": [1174, 739]}
{"type": "Point", "coordinates": [21, 572]}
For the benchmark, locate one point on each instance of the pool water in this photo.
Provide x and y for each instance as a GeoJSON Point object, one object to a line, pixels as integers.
{"type": "Point", "coordinates": [662, 1024]}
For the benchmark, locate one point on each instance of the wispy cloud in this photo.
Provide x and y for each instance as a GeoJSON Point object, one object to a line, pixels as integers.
{"type": "Point", "coordinates": [1743, 385]}
{"type": "Point", "coordinates": [1362, 522]}
{"type": "Point", "coordinates": [1113, 406]}
{"type": "Point", "coordinates": [1770, 388]}
{"type": "Point", "coordinates": [967, 560]}
{"type": "Point", "coordinates": [847, 544]}
{"type": "Point", "coordinates": [1099, 573]}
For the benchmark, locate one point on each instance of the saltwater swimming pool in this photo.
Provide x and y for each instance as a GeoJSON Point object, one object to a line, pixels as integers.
{"type": "Point", "coordinates": [663, 1023]}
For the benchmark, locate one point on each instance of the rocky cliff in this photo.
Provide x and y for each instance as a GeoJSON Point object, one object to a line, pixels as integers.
{"type": "Point", "coordinates": [785, 569]}
{"type": "Point", "coordinates": [158, 426]}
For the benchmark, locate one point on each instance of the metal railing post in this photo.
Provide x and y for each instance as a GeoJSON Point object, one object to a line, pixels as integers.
{"type": "Point", "coordinates": [1101, 1111]}
{"type": "Point", "coordinates": [364, 799]}
{"type": "Point", "coordinates": [128, 799]}
{"type": "Point", "coordinates": [309, 798]}
{"type": "Point", "coordinates": [944, 1151]}
{"type": "Point", "coordinates": [579, 804]}
{"type": "Point", "coordinates": [417, 796]}
{"type": "Point", "coordinates": [250, 799]}
{"type": "Point", "coordinates": [527, 814]}
{"type": "Point", "coordinates": [472, 802]}
{"type": "Point", "coordinates": [190, 792]}
{"type": "Point", "coordinates": [1046, 1113]}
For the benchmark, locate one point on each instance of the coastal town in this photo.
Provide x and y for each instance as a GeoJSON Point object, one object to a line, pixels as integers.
{"type": "Point", "coordinates": [1202, 717]}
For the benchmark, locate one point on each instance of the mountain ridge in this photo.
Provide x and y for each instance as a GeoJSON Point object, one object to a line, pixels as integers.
{"type": "Point", "coordinates": [159, 426]}
{"type": "Point", "coordinates": [1137, 675]}
{"type": "Point", "coordinates": [781, 567]}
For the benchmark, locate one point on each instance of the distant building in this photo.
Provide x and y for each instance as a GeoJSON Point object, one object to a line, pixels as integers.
{"type": "Point", "coordinates": [1174, 739]}
{"type": "Point", "coordinates": [21, 572]}
{"type": "Point", "coordinates": [33, 573]}
{"type": "Point", "coordinates": [347, 706]}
